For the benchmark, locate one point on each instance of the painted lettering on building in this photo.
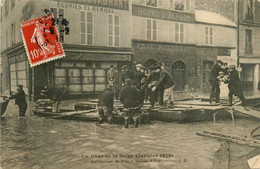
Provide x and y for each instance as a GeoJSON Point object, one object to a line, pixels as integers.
{"type": "Point", "coordinates": [166, 48]}
{"type": "Point", "coordinates": [116, 4]}
{"type": "Point", "coordinates": [162, 14]}
{"type": "Point", "coordinates": [84, 7]}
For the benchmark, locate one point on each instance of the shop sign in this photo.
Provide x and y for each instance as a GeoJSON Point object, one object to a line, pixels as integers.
{"type": "Point", "coordinates": [81, 4]}
{"type": "Point", "coordinates": [162, 14]}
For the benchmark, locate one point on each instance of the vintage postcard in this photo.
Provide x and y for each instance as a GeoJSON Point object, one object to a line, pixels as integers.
{"type": "Point", "coordinates": [129, 84]}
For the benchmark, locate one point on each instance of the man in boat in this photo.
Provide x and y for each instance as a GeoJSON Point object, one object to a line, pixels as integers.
{"type": "Point", "coordinates": [234, 86]}
{"type": "Point", "coordinates": [166, 81]}
{"type": "Point", "coordinates": [113, 80]}
{"type": "Point", "coordinates": [105, 106]}
{"type": "Point", "coordinates": [20, 100]}
{"type": "Point", "coordinates": [55, 94]}
{"type": "Point", "coordinates": [129, 98]}
{"type": "Point", "coordinates": [214, 82]}
{"type": "Point", "coordinates": [126, 74]}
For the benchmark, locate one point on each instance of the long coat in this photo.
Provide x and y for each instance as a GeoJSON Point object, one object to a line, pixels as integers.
{"type": "Point", "coordinates": [165, 80]}
{"type": "Point", "coordinates": [214, 74]}
{"type": "Point", "coordinates": [20, 98]}
{"type": "Point", "coordinates": [129, 97]}
{"type": "Point", "coordinates": [234, 82]}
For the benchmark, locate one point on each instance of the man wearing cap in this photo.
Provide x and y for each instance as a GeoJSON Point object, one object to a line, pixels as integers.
{"type": "Point", "coordinates": [112, 76]}
{"type": "Point", "coordinates": [126, 74]}
{"type": "Point", "coordinates": [234, 86]}
{"type": "Point", "coordinates": [137, 82]}
{"type": "Point", "coordinates": [20, 100]}
{"type": "Point", "coordinates": [214, 82]}
{"type": "Point", "coordinates": [165, 80]}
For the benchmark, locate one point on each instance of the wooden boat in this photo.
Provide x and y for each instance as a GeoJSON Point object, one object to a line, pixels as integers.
{"type": "Point", "coordinates": [235, 151]}
{"type": "Point", "coordinates": [3, 104]}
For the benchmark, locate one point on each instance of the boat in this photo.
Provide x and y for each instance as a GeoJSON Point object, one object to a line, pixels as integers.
{"type": "Point", "coordinates": [3, 104]}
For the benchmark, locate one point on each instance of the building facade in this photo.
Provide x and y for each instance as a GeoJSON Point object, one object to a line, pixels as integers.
{"type": "Point", "coordinates": [249, 40]}
{"type": "Point", "coordinates": [117, 32]}
{"type": "Point", "coordinates": [99, 36]}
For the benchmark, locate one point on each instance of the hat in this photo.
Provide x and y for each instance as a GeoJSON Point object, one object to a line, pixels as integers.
{"type": "Point", "coordinates": [128, 82]}
{"type": "Point", "coordinates": [138, 65]}
{"type": "Point", "coordinates": [124, 67]}
{"type": "Point", "coordinates": [232, 67]}
{"type": "Point", "coordinates": [111, 66]}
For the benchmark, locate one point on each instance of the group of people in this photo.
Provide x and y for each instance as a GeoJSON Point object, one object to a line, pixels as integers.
{"type": "Point", "coordinates": [228, 75]}
{"type": "Point", "coordinates": [153, 83]}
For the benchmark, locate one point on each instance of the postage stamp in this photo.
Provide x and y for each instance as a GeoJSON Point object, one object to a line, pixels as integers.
{"type": "Point", "coordinates": [41, 40]}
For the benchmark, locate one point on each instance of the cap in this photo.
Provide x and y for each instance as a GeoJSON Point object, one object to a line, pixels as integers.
{"type": "Point", "coordinates": [111, 66]}
{"type": "Point", "coordinates": [232, 67]}
{"type": "Point", "coordinates": [128, 81]}
{"type": "Point", "coordinates": [138, 65]}
{"type": "Point", "coordinates": [124, 67]}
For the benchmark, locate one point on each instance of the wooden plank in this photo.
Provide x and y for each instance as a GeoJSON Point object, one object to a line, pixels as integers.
{"type": "Point", "coordinates": [235, 139]}
{"type": "Point", "coordinates": [248, 111]}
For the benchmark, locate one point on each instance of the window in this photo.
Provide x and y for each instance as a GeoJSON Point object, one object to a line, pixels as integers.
{"type": "Point", "coordinates": [209, 36]}
{"type": "Point", "coordinates": [59, 13]}
{"type": "Point", "coordinates": [249, 10]}
{"type": "Point", "coordinates": [86, 28]}
{"type": "Point", "coordinates": [13, 3]}
{"type": "Point", "coordinates": [179, 32]}
{"type": "Point", "coordinates": [248, 42]}
{"type": "Point", "coordinates": [179, 5]}
{"type": "Point", "coordinates": [13, 33]}
{"type": "Point", "coordinates": [151, 29]}
{"type": "Point", "coordinates": [151, 2]}
{"type": "Point", "coordinates": [113, 30]}
{"type": "Point", "coordinates": [6, 7]}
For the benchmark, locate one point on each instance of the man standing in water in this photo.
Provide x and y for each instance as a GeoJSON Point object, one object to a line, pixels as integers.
{"type": "Point", "coordinates": [20, 100]}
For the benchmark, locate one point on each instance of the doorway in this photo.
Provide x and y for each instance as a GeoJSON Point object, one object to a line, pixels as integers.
{"type": "Point", "coordinates": [179, 75]}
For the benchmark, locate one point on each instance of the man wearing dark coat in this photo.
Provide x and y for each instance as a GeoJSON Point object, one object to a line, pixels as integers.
{"type": "Point", "coordinates": [214, 82]}
{"type": "Point", "coordinates": [20, 100]}
{"type": "Point", "coordinates": [234, 86]}
{"type": "Point", "coordinates": [137, 82]}
{"type": "Point", "coordinates": [126, 74]}
{"type": "Point", "coordinates": [105, 105]}
{"type": "Point", "coordinates": [129, 95]}
{"type": "Point", "coordinates": [166, 81]}
{"type": "Point", "coordinates": [112, 76]}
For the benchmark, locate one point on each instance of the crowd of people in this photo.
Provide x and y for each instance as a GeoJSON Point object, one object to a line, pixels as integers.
{"type": "Point", "coordinates": [154, 84]}
{"type": "Point", "coordinates": [228, 75]}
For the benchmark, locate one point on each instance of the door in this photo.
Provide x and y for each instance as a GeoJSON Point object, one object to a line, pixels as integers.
{"type": "Point", "coordinates": [206, 68]}
{"type": "Point", "coordinates": [179, 75]}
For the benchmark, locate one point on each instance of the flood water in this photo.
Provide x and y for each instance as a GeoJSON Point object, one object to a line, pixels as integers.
{"type": "Point", "coordinates": [37, 142]}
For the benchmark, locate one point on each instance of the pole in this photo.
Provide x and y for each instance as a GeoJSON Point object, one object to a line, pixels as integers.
{"type": "Point", "coordinates": [238, 22]}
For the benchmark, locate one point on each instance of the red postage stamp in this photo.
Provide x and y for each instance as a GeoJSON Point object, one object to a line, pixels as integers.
{"type": "Point", "coordinates": [41, 40]}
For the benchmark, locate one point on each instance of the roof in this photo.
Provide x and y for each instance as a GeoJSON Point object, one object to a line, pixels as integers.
{"type": "Point", "coordinates": [212, 18]}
